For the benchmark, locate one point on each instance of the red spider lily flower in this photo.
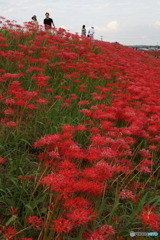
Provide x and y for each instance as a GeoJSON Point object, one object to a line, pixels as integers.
{"type": "Point", "coordinates": [145, 153]}
{"type": "Point", "coordinates": [83, 86]}
{"type": "Point", "coordinates": [20, 66]}
{"type": "Point", "coordinates": [67, 100]}
{"type": "Point", "coordinates": [102, 171]}
{"type": "Point", "coordinates": [8, 232]}
{"type": "Point", "coordinates": [149, 218]}
{"type": "Point", "coordinates": [65, 104]}
{"type": "Point", "coordinates": [13, 211]}
{"type": "Point", "coordinates": [49, 90]}
{"type": "Point", "coordinates": [73, 96]}
{"type": "Point", "coordinates": [42, 101]}
{"type": "Point", "coordinates": [2, 39]}
{"type": "Point", "coordinates": [68, 128]}
{"type": "Point", "coordinates": [54, 155]}
{"type": "Point", "coordinates": [35, 222]}
{"type": "Point", "coordinates": [143, 166]}
{"type": "Point", "coordinates": [93, 154]}
{"type": "Point", "coordinates": [9, 112]}
{"type": "Point", "coordinates": [127, 194]}
{"type": "Point", "coordinates": [84, 102]}
{"type": "Point", "coordinates": [77, 202]}
{"type": "Point", "coordinates": [81, 216]}
{"type": "Point", "coordinates": [94, 130]}
{"type": "Point", "coordinates": [58, 97]}
{"type": "Point", "coordinates": [31, 107]}
{"type": "Point", "coordinates": [67, 135]}
{"type": "Point", "coordinates": [82, 90]}
{"type": "Point", "coordinates": [80, 128]}
{"type": "Point", "coordinates": [60, 183]}
{"type": "Point", "coordinates": [47, 140]}
{"type": "Point", "coordinates": [11, 124]}
{"type": "Point", "coordinates": [103, 233]}
{"type": "Point", "coordinates": [86, 112]}
{"type": "Point", "coordinates": [98, 140]}
{"type": "Point", "coordinates": [62, 225]}
{"type": "Point", "coordinates": [152, 147]}
{"type": "Point", "coordinates": [93, 188]}
{"type": "Point", "coordinates": [12, 75]}
{"type": "Point", "coordinates": [2, 160]}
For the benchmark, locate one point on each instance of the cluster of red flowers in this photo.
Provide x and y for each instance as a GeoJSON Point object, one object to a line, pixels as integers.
{"type": "Point", "coordinates": [149, 218]}
{"type": "Point", "coordinates": [90, 111]}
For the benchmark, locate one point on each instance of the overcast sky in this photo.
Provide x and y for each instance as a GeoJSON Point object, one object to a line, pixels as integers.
{"type": "Point", "coordinates": [124, 21]}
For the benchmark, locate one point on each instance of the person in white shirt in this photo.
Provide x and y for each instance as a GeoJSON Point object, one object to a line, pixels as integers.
{"type": "Point", "coordinates": [91, 32]}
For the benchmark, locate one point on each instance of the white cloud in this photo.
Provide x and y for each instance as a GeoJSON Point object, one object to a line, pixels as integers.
{"type": "Point", "coordinates": [11, 10]}
{"type": "Point", "coordinates": [157, 23]}
{"type": "Point", "coordinates": [112, 26]}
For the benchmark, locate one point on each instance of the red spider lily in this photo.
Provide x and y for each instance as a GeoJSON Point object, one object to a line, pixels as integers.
{"type": "Point", "coordinates": [149, 218]}
{"type": "Point", "coordinates": [47, 140]}
{"type": "Point", "coordinates": [8, 232]}
{"type": "Point", "coordinates": [63, 225]}
{"type": "Point", "coordinates": [81, 216]}
{"type": "Point", "coordinates": [84, 102]}
{"type": "Point", "coordinates": [65, 105]}
{"type": "Point", "coordinates": [13, 211]}
{"type": "Point", "coordinates": [143, 167]}
{"type": "Point", "coordinates": [35, 222]}
{"type": "Point", "coordinates": [127, 194]}
{"type": "Point", "coordinates": [11, 124]}
{"type": "Point", "coordinates": [9, 112]}
{"type": "Point", "coordinates": [31, 107]}
{"type": "Point", "coordinates": [7, 76]}
{"type": "Point", "coordinates": [80, 128]}
{"type": "Point", "coordinates": [101, 171]}
{"type": "Point", "coordinates": [104, 232]}
{"type": "Point", "coordinates": [68, 128]}
{"type": "Point", "coordinates": [42, 101]}
{"type": "Point", "coordinates": [2, 160]}
{"type": "Point", "coordinates": [77, 202]}
{"type": "Point", "coordinates": [145, 153]}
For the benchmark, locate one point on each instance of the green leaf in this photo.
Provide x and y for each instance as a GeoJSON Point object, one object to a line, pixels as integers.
{"type": "Point", "coordinates": [30, 208]}
{"type": "Point", "coordinates": [12, 219]}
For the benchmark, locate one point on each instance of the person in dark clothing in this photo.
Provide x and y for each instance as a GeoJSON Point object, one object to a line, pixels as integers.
{"type": "Point", "coordinates": [48, 22]}
{"type": "Point", "coordinates": [84, 30]}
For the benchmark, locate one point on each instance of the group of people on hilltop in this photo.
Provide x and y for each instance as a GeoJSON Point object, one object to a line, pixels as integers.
{"type": "Point", "coordinates": [90, 32]}
{"type": "Point", "coordinates": [48, 23]}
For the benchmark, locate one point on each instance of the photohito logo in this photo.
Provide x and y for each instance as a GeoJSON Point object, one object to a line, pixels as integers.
{"type": "Point", "coordinates": [146, 234]}
{"type": "Point", "coordinates": [132, 234]}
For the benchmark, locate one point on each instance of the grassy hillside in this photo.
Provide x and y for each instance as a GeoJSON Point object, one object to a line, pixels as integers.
{"type": "Point", "coordinates": [79, 137]}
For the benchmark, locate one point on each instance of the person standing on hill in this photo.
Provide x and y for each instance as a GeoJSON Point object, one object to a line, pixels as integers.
{"type": "Point", "coordinates": [84, 30]}
{"type": "Point", "coordinates": [48, 22]}
{"type": "Point", "coordinates": [34, 20]}
{"type": "Point", "coordinates": [91, 33]}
